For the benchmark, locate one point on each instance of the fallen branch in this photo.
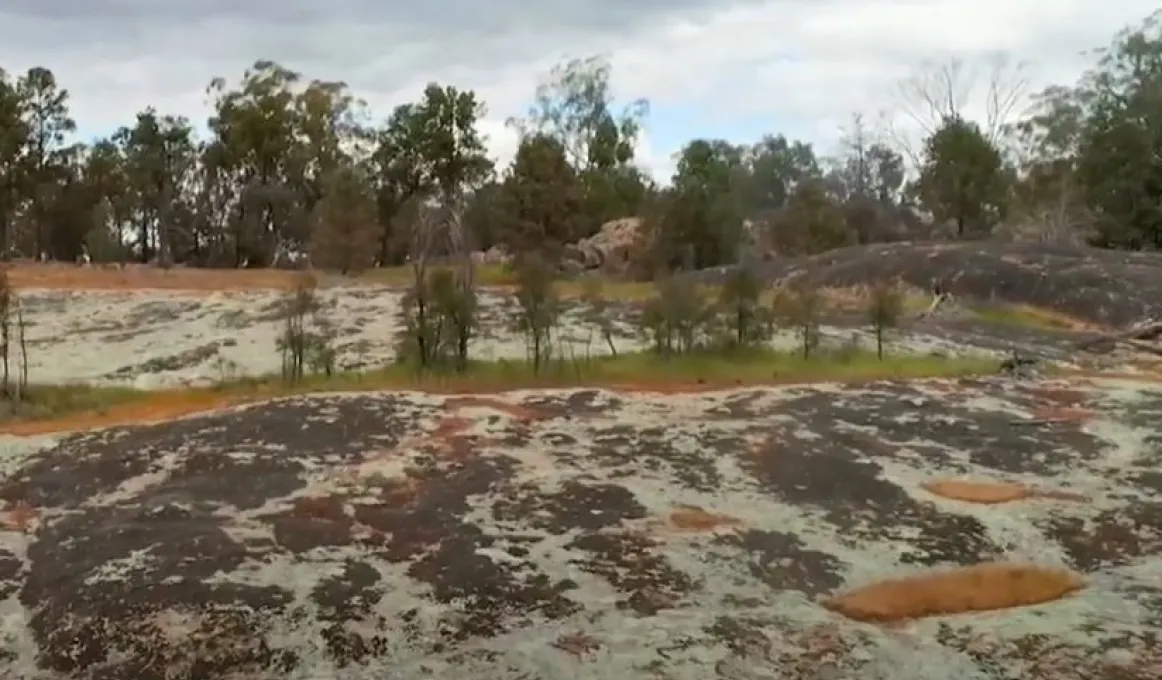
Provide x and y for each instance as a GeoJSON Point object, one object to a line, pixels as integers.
{"type": "Point", "coordinates": [1148, 330]}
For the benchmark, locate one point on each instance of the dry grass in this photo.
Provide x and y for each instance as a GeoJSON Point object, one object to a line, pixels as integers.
{"type": "Point", "coordinates": [1027, 316]}
{"type": "Point", "coordinates": [981, 587]}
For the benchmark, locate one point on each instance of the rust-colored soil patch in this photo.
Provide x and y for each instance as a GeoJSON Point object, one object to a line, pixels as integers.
{"type": "Point", "coordinates": [982, 587]}
{"type": "Point", "coordinates": [160, 407]}
{"type": "Point", "coordinates": [992, 493]}
{"type": "Point", "coordinates": [978, 492]}
{"type": "Point", "coordinates": [694, 518]}
{"type": "Point", "coordinates": [144, 277]}
{"type": "Point", "coordinates": [19, 516]}
{"type": "Point", "coordinates": [1059, 396]}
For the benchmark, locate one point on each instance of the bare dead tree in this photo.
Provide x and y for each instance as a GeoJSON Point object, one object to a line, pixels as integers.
{"type": "Point", "coordinates": [939, 90]}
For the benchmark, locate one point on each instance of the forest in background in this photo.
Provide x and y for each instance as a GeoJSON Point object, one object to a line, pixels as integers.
{"type": "Point", "coordinates": [292, 166]}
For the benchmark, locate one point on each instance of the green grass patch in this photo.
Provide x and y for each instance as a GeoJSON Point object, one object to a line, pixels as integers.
{"type": "Point", "coordinates": [644, 370]}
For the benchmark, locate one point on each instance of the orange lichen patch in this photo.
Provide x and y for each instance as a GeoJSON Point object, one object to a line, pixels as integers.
{"type": "Point", "coordinates": [694, 518]}
{"type": "Point", "coordinates": [19, 516]}
{"type": "Point", "coordinates": [159, 407]}
{"type": "Point", "coordinates": [991, 493]}
{"type": "Point", "coordinates": [978, 492]}
{"type": "Point", "coordinates": [981, 587]}
{"type": "Point", "coordinates": [1063, 415]}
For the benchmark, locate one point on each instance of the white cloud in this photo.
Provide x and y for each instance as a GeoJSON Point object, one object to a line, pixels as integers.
{"type": "Point", "coordinates": [803, 66]}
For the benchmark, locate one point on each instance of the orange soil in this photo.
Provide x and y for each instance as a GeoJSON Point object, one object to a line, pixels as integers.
{"type": "Point", "coordinates": [1059, 396]}
{"type": "Point", "coordinates": [18, 517]}
{"type": "Point", "coordinates": [990, 493]}
{"type": "Point", "coordinates": [160, 407]}
{"type": "Point", "coordinates": [144, 277]}
{"type": "Point", "coordinates": [694, 518]}
{"type": "Point", "coordinates": [981, 587]}
{"type": "Point", "coordinates": [172, 404]}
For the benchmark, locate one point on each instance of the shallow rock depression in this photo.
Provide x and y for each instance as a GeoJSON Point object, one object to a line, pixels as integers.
{"type": "Point", "coordinates": [585, 533]}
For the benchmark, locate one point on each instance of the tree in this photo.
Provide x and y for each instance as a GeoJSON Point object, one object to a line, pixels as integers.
{"type": "Point", "coordinates": [774, 167]}
{"type": "Point", "coordinates": [573, 107]}
{"type": "Point", "coordinates": [963, 178]}
{"type": "Point", "coordinates": [254, 128]}
{"type": "Point", "coordinates": [938, 91]}
{"type": "Point", "coordinates": [811, 222]}
{"type": "Point", "coordinates": [542, 200]}
{"type": "Point", "coordinates": [13, 133]}
{"type": "Point", "coordinates": [701, 222]}
{"type": "Point", "coordinates": [1120, 147]}
{"type": "Point", "coordinates": [343, 229]}
{"type": "Point", "coordinates": [47, 124]}
{"type": "Point", "coordinates": [158, 156]}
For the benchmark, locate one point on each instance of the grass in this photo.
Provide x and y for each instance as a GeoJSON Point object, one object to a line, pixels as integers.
{"type": "Point", "coordinates": [1026, 316]}
{"type": "Point", "coordinates": [79, 407]}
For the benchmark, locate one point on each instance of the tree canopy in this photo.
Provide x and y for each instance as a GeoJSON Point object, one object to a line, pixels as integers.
{"type": "Point", "coordinates": [287, 164]}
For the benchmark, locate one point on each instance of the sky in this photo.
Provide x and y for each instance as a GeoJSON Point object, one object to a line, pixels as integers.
{"type": "Point", "coordinates": [732, 69]}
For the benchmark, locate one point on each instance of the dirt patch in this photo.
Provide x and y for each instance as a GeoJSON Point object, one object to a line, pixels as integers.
{"type": "Point", "coordinates": [696, 519]}
{"type": "Point", "coordinates": [993, 493]}
{"type": "Point", "coordinates": [143, 277]}
{"type": "Point", "coordinates": [981, 587]}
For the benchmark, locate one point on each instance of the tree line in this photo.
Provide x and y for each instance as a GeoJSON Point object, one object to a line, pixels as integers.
{"type": "Point", "coordinates": [291, 165]}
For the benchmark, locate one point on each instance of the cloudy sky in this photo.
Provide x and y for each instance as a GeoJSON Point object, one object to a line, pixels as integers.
{"type": "Point", "coordinates": [724, 68]}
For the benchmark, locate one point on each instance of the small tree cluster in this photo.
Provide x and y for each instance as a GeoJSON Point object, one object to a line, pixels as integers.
{"type": "Point", "coordinates": [307, 338]}
{"type": "Point", "coordinates": [800, 307]}
{"type": "Point", "coordinates": [538, 310]}
{"type": "Point", "coordinates": [885, 307]}
{"type": "Point", "coordinates": [681, 318]}
{"type": "Point", "coordinates": [439, 315]}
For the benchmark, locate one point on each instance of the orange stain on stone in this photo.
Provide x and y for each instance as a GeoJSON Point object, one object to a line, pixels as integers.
{"type": "Point", "coordinates": [694, 518]}
{"type": "Point", "coordinates": [982, 587]}
{"type": "Point", "coordinates": [991, 493]}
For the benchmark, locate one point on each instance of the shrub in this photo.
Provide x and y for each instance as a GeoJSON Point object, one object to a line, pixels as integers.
{"type": "Point", "coordinates": [801, 307]}
{"type": "Point", "coordinates": [675, 319]}
{"type": "Point", "coordinates": [885, 305]}
{"type": "Point", "coordinates": [740, 302]}
{"type": "Point", "coordinates": [538, 310]}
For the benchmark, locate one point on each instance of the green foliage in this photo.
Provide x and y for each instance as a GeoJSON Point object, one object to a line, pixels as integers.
{"type": "Point", "coordinates": [748, 321]}
{"type": "Point", "coordinates": [307, 337]}
{"type": "Point", "coordinates": [454, 302]}
{"type": "Point", "coordinates": [275, 174]}
{"type": "Point", "coordinates": [542, 200]}
{"type": "Point", "coordinates": [800, 307]}
{"type": "Point", "coordinates": [538, 309]}
{"type": "Point", "coordinates": [885, 306]}
{"type": "Point", "coordinates": [963, 178]}
{"type": "Point", "coordinates": [597, 311]}
{"type": "Point", "coordinates": [674, 321]}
